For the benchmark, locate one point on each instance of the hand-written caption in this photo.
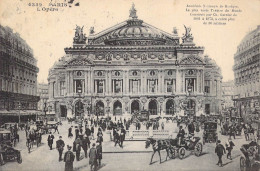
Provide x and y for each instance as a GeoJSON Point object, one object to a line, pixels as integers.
{"type": "Point", "coordinates": [213, 14]}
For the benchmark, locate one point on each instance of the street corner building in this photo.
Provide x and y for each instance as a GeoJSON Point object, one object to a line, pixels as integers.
{"type": "Point", "coordinates": [246, 72]}
{"type": "Point", "coordinates": [18, 78]}
{"type": "Point", "coordinates": [133, 67]}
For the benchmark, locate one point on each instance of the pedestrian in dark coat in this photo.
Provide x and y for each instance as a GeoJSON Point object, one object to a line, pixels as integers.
{"type": "Point", "coordinates": [56, 128]}
{"type": "Point", "coordinates": [50, 140]}
{"type": "Point", "coordinates": [60, 146]}
{"type": "Point", "coordinates": [229, 148]}
{"type": "Point", "coordinates": [93, 157]}
{"type": "Point", "coordinates": [87, 131]}
{"type": "Point", "coordinates": [85, 145]}
{"type": "Point", "coordinates": [76, 132]}
{"type": "Point", "coordinates": [191, 128]}
{"type": "Point", "coordinates": [117, 137]}
{"type": "Point", "coordinates": [77, 147]}
{"type": "Point", "coordinates": [220, 150]}
{"type": "Point", "coordinates": [99, 153]}
{"type": "Point", "coordinates": [122, 136]}
{"type": "Point", "coordinates": [70, 135]}
{"type": "Point", "coordinates": [69, 159]}
{"type": "Point", "coordinates": [92, 132]}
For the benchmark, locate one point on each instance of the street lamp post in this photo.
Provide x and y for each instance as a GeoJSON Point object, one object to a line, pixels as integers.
{"type": "Point", "coordinates": [19, 106]}
{"type": "Point", "coordinates": [189, 88]}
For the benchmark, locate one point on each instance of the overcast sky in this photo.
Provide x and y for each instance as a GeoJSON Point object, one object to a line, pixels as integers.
{"type": "Point", "coordinates": [48, 33]}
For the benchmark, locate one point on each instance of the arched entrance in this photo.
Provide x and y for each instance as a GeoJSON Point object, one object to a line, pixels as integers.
{"type": "Point", "coordinates": [117, 108]}
{"type": "Point", "coordinates": [170, 107]}
{"type": "Point", "coordinates": [191, 107]}
{"type": "Point", "coordinates": [79, 109]}
{"type": "Point", "coordinates": [135, 106]}
{"type": "Point", "coordinates": [152, 107]}
{"type": "Point", "coordinates": [99, 108]}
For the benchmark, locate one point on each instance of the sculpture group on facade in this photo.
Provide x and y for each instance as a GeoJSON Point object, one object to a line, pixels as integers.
{"type": "Point", "coordinates": [80, 37]}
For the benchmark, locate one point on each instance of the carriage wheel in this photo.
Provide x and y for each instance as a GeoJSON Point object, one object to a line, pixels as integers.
{"type": "Point", "coordinates": [172, 153]}
{"type": "Point", "coordinates": [198, 149]}
{"type": "Point", "coordinates": [19, 159]}
{"type": "Point", "coordinates": [182, 152]}
{"type": "Point", "coordinates": [2, 162]}
{"type": "Point", "coordinates": [29, 147]}
{"type": "Point", "coordinates": [242, 164]}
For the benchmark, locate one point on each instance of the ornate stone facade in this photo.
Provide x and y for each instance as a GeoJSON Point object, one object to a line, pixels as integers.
{"type": "Point", "coordinates": [18, 76]}
{"type": "Point", "coordinates": [134, 66]}
{"type": "Point", "coordinates": [246, 71]}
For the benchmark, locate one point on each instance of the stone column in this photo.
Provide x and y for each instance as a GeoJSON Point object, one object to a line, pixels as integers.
{"type": "Point", "coordinates": [142, 82]}
{"type": "Point", "coordinates": [110, 82]}
{"type": "Point", "coordinates": [127, 82]}
{"type": "Point", "coordinates": [71, 83]}
{"type": "Point", "coordinates": [89, 82]}
{"type": "Point", "coordinates": [145, 82]}
{"type": "Point", "coordinates": [162, 82]}
{"type": "Point", "coordinates": [67, 82]}
{"type": "Point", "coordinates": [159, 81]}
{"type": "Point", "coordinates": [92, 81]}
{"type": "Point", "coordinates": [86, 82]}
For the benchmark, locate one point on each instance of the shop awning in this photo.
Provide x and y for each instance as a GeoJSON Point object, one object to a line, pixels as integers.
{"type": "Point", "coordinates": [16, 112]}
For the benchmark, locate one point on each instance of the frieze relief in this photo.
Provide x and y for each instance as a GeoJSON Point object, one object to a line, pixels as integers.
{"type": "Point", "coordinates": [191, 59]}
{"type": "Point", "coordinates": [127, 56]}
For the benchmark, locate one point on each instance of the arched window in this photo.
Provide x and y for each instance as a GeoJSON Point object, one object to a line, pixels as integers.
{"type": "Point", "coordinates": [134, 73]}
{"type": "Point", "coordinates": [99, 73]}
{"type": "Point", "coordinates": [117, 73]}
{"type": "Point", "coordinates": [79, 73]}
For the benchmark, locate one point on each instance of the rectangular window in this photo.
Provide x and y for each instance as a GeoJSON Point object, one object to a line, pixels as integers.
{"type": "Point", "coordinates": [207, 86]}
{"type": "Point", "coordinates": [78, 86]}
{"type": "Point", "coordinates": [190, 84]}
{"type": "Point", "coordinates": [134, 86]}
{"type": "Point", "coordinates": [207, 108]}
{"type": "Point", "coordinates": [118, 86]}
{"type": "Point", "coordinates": [100, 86]}
{"type": "Point", "coordinates": [152, 85]}
{"type": "Point", "coordinates": [62, 88]}
{"type": "Point", "coordinates": [170, 85]}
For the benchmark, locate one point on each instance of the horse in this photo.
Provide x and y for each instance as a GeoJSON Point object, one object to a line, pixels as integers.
{"type": "Point", "coordinates": [157, 146]}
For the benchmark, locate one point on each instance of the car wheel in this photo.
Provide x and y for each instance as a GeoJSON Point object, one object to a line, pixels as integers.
{"type": "Point", "coordinates": [19, 159]}
{"type": "Point", "coordinates": [198, 149]}
{"type": "Point", "coordinates": [182, 152]}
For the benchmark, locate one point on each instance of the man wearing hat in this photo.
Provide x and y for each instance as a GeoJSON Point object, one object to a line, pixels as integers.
{"type": "Point", "coordinates": [85, 145]}
{"type": "Point", "coordinates": [180, 135]}
{"type": "Point", "coordinates": [99, 153]}
{"type": "Point", "coordinates": [69, 159]}
{"type": "Point", "coordinates": [50, 140]}
{"type": "Point", "coordinates": [59, 146]}
{"type": "Point", "coordinates": [220, 150]}
{"type": "Point", "coordinates": [93, 157]}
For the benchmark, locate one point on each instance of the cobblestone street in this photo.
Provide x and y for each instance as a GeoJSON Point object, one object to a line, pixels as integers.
{"type": "Point", "coordinates": [133, 156]}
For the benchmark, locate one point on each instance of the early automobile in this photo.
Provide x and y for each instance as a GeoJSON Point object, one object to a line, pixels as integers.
{"type": "Point", "coordinates": [8, 153]}
{"type": "Point", "coordinates": [49, 126]}
{"type": "Point", "coordinates": [210, 132]}
{"type": "Point", "coordinates": [6, 137]}
{"type": "Point", "coordinates": [8, 125]}
{"type": "Point", "coordinates": [39, 124]}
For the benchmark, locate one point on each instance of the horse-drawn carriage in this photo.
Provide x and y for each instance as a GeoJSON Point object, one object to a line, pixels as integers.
{"type": "Point", "coordinates": [173, 147]}
{"type": "Point", "coordinates": [8, 153]}
{"type": "Point", "coordinates": [49, 126]}
{"type": "Point", "coordinates": [210, 132]}
{"type": "Point", "coordinates": [250, 161]}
